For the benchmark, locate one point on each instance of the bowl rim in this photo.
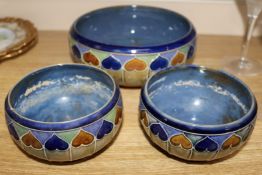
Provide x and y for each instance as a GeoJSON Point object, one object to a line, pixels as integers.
{"type": "Point", "coordinates": [64, 125]}
{"type": "Point", "coordinates": [198, 128]}
{"type": "Point", "coordinates": [188, 37]}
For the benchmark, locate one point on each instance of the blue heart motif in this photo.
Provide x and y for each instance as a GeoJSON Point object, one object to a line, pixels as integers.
{"type": "Point", "coordinates": [76, 52]}
{"type": "Point", "coordinates": [13, 132]}
{"type": "Point", "coordinates": [106, 128]}
{"type": "Point", "coordinates": [159, 63]}
{"type": "Point", "coordinates": [206, 144]}
{"type": "Point", "coordinates": [111, 63]}
{"type": "Point", "coordinates": [190, 53]}
{"type": "Point", "coordinates": [158, 130]}
{"type": "Point", "coordinates": [55, 143]}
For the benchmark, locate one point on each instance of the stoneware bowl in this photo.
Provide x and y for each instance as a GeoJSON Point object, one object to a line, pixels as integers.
{"type": "Point", "coordinates": [197, 113]}
{"type": "Point", "coordinates": [64, 112]}
{"type": "Point", "coordinates": [132, 42]}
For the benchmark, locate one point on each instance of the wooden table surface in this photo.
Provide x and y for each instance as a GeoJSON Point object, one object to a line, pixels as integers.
{"type": "Point", "coordinates": [131, 152]}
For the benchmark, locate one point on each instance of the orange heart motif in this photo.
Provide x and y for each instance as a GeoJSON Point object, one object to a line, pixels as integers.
{"type": "Point", "coordinates": [83, 138]}
{"type": "Point", "coordinates": [118, 114]}
{"type": "Point", "coordinates": [91, 59]}
{"type": "Point", "coordinates": [182, 140]}
{"type": "Point", "coordinates": [30, 140]}
{"type": "Point", "coordinates": [232, 141]}
{"type": "Point", "coordinates": [178, 59]}
{"type": "Point", "coordinates": [143, 118]}
{"type": "Point", "coordinates": [135, 64]}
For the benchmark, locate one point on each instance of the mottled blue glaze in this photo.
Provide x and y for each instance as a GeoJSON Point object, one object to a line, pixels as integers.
{"type": "Point", "coordinates": [196, 113]}
{"type": "Point", "coordinates": [67, 99]}
{"type": "Point", "coordinates": [62, 97]}
{"type": "Point", "coordinates": [129, 29]}
{"type": "Point", "coordinates": [199, 100]}
{"type": "Point", "coordinates": [64, 112]}
{"type": "Point", "coordinates": [192, 96]}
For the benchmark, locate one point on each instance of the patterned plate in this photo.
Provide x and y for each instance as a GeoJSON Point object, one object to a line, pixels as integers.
{"type": "Point", "coordinates": [16, 36]}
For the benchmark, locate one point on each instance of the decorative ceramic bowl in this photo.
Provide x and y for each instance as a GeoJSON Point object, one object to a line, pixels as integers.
{"type": "Point", "coordinates": [64, 112]}
{"type": "Point", "coordinates": [197, 113]}
{"type": "Point", "coordinates": [132, 42]}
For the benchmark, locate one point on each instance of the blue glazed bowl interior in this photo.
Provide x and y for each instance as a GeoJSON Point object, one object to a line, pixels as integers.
{"type": "Point", "coordinates": [132, 26]}
{"type": "Point", "coordinates": [199, 96]}
{"type": "Point", "coordinates": [61, 93]}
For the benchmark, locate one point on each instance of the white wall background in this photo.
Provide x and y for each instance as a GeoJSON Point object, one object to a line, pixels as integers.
{"type": "Point", "coordinates": [220, 17]}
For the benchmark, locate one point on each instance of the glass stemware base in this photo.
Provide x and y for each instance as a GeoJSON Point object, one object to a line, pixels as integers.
{"type": "Point", "coordinates": [248, 67]}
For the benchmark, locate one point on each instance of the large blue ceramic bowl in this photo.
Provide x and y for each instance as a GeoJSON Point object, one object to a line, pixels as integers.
{"type": "Point", "coordinates": [64, 112]}
{"type": "Point", "coordinates": [132, 42]}
{"type": "Point", "coordinates": [197, 113]}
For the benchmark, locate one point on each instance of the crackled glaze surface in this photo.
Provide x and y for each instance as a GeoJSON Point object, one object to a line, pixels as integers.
{"type": "Point", "coordinates": [194, 98]}
{"type": "Point", "coordinates": [68, 112]}
{"type": "Point", "coordinates": [63, 99]}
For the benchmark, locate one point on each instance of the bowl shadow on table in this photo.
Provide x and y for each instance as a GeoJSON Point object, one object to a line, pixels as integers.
{"type": "Point", "coordinates": [182, 160]}
{"type": "Point", "coordinates": [74, 161]}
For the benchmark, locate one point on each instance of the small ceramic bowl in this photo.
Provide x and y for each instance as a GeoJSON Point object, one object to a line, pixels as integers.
{"type": "Point", "coordinates": [64, 112]}
{"type": "Point", "coordinates": [197, 113]}
{"type": "Point", "coordinates": [132, 42]}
